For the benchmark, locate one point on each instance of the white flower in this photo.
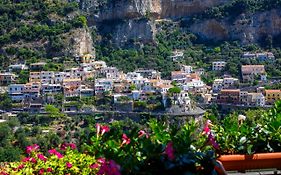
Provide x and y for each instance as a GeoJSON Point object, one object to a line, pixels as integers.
{"type": "Point", "coordinates": [241, 117]}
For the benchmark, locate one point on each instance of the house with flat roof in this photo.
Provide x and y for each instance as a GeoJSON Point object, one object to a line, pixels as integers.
{"type": "Point", "coordinates": [251, 72]}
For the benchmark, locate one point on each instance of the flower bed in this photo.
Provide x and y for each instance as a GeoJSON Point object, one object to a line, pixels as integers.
{"type": "Point", "coordinates": [158, 148]}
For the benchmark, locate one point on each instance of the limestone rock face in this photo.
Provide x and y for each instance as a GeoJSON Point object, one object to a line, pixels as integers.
{"type": "Point", "coordinates": [79, 42]}
{"type": "Point", "coordinates": [247, 27]}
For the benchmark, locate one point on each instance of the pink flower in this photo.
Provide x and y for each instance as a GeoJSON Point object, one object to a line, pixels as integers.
{"type": "Point", "coordinates": [41, 171]}
{"type": "Point", "coordinates": [29, 149]}
{"type": "Point", "coordinates": [35, 147]}
{"type": "Point", "coordinates": [21, 166]}
{"type": "Point", "coordinates": [213, 142]}
{"type": "Point", "coordinates": [142, 133]}
{"type": "Point", "coordinates": [3, 173]}
{"type": "Point", "coordinates": [94, 166]}
{"type": "Point", "coordinates": [65, 145]}
{"type": "Point", "coordinates": [169, 150]}
{"type": "Point", "coordinates": [114, 168]}
{"type": "Point", "coordinates": [52, 151]}
{"type": "Point", "coordinates": [49, 169]}
{"type": "Point", "coordinates": [33, 160]}
{"type": "Point", "coordinates": [26, 159]}
{"type": "Point", "coordinates": [32, 148]}
{"type": "Point", "coordinates": [59, 155]}
{"type": "Point", "coordinates": [68, 165]}
{"type": "Point", "coordinates": [109, 168]}
{"type": "Point", "coordinates": [72, 146]}
{"type": "Point", "coordinates": [101, 160]}
{"type": "Point", "coordinates": [55, 152]}
{"type": "Point", "coordinates": [104, 129]}
{"type": "Point", "coordinates": [206, 129]}
{"type": "Point", "coordinates": [41, 157]}
{"type": "Point", "coordinates": [126, 140]}
{"type": "Point", "coordinates": [98, 127]}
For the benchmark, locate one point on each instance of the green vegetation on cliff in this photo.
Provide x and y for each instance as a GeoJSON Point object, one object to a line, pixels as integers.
{"type": "Point", "coordinates": [32, 29]}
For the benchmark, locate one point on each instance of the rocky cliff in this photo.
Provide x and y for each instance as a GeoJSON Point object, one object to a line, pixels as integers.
{"type": "Point", "coordinates": [246, 27]}
{"type": "Point", "coordinates": [79, 42]}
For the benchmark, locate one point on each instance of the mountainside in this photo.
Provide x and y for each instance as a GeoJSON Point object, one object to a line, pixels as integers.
{"type": "Point", "coordinates": [247, 21]}
{"type": "Point", "coordinates": [34, 30]}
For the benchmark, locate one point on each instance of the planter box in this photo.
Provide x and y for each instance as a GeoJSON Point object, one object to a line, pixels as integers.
{"type": "Point", "coordinates": [242, 163]}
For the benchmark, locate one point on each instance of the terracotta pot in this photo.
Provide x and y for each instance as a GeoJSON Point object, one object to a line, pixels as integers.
{"type": "Point", "coordinates": [248, 162]}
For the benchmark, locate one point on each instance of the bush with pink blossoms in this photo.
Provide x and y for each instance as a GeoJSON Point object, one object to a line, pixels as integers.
{"type": "Point", "coordinates": [59, 162]}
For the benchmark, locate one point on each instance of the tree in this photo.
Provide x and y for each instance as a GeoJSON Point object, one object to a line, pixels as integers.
{"type": "Point", "coordinates": [133, 87]}
{"type": "Point", "coordinates": [175, 90]}
{"type": "Point", "coordinates": [5, 102]}
{"type": "Point", "coordinates": [53, 111]}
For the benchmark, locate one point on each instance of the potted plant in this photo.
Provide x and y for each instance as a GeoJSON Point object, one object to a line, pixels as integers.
{"type": "Point", "coordinates": [250, 143]}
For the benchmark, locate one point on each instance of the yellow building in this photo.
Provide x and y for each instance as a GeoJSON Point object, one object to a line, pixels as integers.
{"type": "Point", "coordinates": [34, 77]}
{"type": "Point", "coordinates": [271, 96]}
{"type": "Point", "coordinates": [87, 58]}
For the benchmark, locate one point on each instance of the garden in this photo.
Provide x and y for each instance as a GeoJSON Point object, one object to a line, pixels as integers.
{"type": "Point", "coordinates": [162, 147]}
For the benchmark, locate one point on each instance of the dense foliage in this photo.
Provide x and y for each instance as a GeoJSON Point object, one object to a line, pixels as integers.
{"type": "Point", "coordinates": [156, 147]}
{"type": "Point", "coordinates": [26, 22]}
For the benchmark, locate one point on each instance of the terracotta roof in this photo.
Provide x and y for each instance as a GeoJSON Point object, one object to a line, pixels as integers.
{"type": "Point", "coordinates": [252, 68]}
{"type": "Point", "coordinates": [272, 91]}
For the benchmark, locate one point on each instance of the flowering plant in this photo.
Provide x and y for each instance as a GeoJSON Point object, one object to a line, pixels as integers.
{"type": "Point", "coordinates": [65, 161]}
{"type": "Point", "coordinates": [256, 132]}
{"type": "Point", "coordinates": [158, 148]}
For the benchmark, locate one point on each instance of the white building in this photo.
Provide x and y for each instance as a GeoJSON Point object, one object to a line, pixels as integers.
{"type": "Point", "coordinates": [51, 88]}
{"type": "Point", "coordinates": [15, 91]}
{"type": "Point", "coordinates": [186, 69]}
{"type": "Point", "coordinates": [230, 82]}
{"type": "Point", "coordinates": [47, 77]}
{"type": "Point", "coordinates": [217, 85]}
{"type": "Point", "coordinates": [110, 72]}
{"type": "Point", "coordinates": [99, 65]}
{"type": "Point", "coordinates": [177, 55]}
{"type": "Point", "coordinates": [256, 99]}
{"type": "Point", "coordinates": [103, 85]}
{"type": "Point", "coordinates": [136, 94]}
{"type": "Point", "coordinates": [59, 76]}
{"type": "Point", "coordinates": [17, 67]}
{"type": "Point", "coordinates": [218, 65]}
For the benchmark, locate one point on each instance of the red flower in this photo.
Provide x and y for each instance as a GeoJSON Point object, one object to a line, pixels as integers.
{"type": "Point", "coordinates": [126, 140]}
{"type": "Point", "coordinates": [41, 171]}
{"type": "Point", "coordinates": [169, 150]}
{"type": "Point", "coordinates": [42, 157]}
{"type": "Point", "coordinates": [68, 165]}
{"type": "Point", "coordinates": [3, 173]}
{"type": "Point", "coordinates": [104, 129]}
{"type": "Point", "coordinates": [49, 169]}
